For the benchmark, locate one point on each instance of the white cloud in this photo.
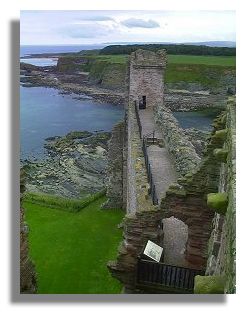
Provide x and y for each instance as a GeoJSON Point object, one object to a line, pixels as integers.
{"type": "Point", "coordinates": [93, 27]}
{"type": "Point", "coordinates": [132, 22]}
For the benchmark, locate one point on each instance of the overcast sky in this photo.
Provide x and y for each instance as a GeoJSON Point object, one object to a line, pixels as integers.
{"type": "Point", "coordinates": [93, 27]}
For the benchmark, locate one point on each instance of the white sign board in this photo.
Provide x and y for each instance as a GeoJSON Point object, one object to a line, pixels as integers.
{"type": "Point", "coordinates": [153, 251]}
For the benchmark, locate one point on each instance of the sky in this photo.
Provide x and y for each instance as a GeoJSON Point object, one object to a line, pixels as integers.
{"type": "Point", "coordinates": [96, 27]}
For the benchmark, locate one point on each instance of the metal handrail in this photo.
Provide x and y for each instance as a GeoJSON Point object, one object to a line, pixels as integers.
{"type": "Point", "coordinates": [149, 174]}
{"type": "Point", "coordinates": [151, 273]}
{"type": "Point", "coordinates": [149, 261]}
{"type": "Point", "coordinates": [146, 158]}
{"type": "Point", "coordinates": [150, 133]}
{"type": "Point", "coordinates": [138, 119]}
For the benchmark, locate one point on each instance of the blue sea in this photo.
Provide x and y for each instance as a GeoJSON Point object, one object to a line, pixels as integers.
{"type": "Point", "coordinates": [41, 62]}
{"type": "Point", "coordinates": [44, 112]}
{"type": "Point", "coordinates": [195, 119]}
{"type": "Point", "coordinates": [26, 50]}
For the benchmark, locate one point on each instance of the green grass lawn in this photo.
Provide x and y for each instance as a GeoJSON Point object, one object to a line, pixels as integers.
{"type": "Point", "coordinates": [71, 250]}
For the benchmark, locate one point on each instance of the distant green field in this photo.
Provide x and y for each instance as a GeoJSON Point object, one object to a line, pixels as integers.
{"type": "Point", "coordinates": [207, 60]}
{"type": "Point", "coordinates": [179, 59]}
{"type": "Point", "coordinates": [112, 58]}
{"type": "Point", "coordinates": [70, 250]}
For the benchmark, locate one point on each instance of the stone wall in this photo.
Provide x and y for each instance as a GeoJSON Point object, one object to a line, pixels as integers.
{"type": "Point", "coordinates": [222, 243]}
{"type": "Point", "coordinates": [179, 146]}
{"type": "Point", "coordinates": [138, 229]}
{"type": "Point", "coordinates": [27, 271]}
{"type": "Point", "coordinates": [142, 221]}
{"type": "Point", "coordinates": [187, 200]}
{"type": "Point", "coordinates": [115, 167]}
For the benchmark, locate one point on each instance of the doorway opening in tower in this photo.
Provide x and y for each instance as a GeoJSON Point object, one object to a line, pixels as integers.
{"type": "Point", "coordinates": [142, 103]}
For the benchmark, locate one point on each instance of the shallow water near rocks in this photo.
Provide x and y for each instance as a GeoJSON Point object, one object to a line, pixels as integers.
{"type": "Point", "coordinates": [201, 120]}
{"type": "Point", "coordinates": [41, 62]}
{"type": "Point", "coordinates": [44, 112]}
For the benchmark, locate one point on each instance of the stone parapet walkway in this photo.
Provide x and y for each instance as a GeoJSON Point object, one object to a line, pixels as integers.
{"type": "Point", "coordinates": [164, 174]}
{"type": "Point", "coordinates": [161, 165]}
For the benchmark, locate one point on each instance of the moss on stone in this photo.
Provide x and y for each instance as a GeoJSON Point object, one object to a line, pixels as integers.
{"type": "Point", "coordinates": [209, 285]}
{"type": "Point", "coordinates": [223, 118]}
{"type": "Point", "coordinates": [218, 201]}
{"type": "Point", "coordinates": [221, 134]}
{"type": "Point", "coordinates": [221, 154]}
{"type": "Point", "coordinates": [176, 189]}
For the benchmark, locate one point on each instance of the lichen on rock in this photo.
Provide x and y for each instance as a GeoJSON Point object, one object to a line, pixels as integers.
{"type": "Point", "coordinates": [209, 285]}
{"type": "Point", "coordinates": [221, 154]}
{"type": "Point", "coordinates": [218, 201]}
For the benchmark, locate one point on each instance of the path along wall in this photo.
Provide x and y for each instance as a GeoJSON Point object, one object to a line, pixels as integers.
{"type": "Point", "coordinates": [142, 221]}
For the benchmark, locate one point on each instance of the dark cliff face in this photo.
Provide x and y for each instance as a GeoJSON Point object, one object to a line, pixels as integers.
{"type": "Point", "coordinates": [27, 271]}
{"type": "Point", "coordinates": [101, 72]}
{"type": "Point", "coordinates": [73, 64]}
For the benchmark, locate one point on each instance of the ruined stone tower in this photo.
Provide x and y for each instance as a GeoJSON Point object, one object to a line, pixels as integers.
{"type": "Point", "coordinates": [146, 77]}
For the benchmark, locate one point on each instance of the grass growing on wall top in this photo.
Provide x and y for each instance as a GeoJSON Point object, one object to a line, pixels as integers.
{"type": "Point", "coordinates": [71, 250]}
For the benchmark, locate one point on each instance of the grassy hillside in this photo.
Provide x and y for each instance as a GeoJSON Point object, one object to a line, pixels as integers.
{"type": "Point", "coordinates": [206, 75]}
{"type": "Point", "coordinates": [109, 70]}
{"type": "Point", "coordinates": [209, 71]}
{"type": "Point", "coordinates": [206, 60]}
{"type": "Point", "coordinates": [172, 49]}
{"type": "Point", "coordinates": [179, 59]}
{"type": "Point", "coordinates": [70, 250]}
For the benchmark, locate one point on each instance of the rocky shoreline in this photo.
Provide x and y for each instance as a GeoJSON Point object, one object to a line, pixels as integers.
{"type": "Point", "coordinates": [77, 83]}
{"type": "Point", "coordinates": [75, 166]}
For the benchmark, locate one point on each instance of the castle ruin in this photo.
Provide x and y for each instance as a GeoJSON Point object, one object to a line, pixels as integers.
{"type": "Point", "coordinates": [165, 188]}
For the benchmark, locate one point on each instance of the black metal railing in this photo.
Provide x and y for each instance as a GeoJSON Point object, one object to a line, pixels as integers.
{"type": "Point", "coordinates": [150, 273]}
{"type": "Point", "coordinates": [146, 158]}
{"type": "Point", "coordinates": [138, 119]}
{"type": "Point", "coordinates": [149, 173]}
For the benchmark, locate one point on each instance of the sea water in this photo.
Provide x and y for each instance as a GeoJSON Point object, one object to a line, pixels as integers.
{"type": "Point", "coordinates": [44, 112]}
{"type": "Point", "coordinates": [201, 120]}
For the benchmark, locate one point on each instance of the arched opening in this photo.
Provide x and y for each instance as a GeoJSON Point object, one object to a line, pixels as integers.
{"type": "Point", "coordinates": [175, 239]}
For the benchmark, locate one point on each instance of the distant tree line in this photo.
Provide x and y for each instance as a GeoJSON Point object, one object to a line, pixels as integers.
{"type": "Point", "coordinates": [173, 49]}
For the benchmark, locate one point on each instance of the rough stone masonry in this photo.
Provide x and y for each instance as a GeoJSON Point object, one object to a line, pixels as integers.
{"type": "Point", "coordinates": [143, 219]}
{"type": "Point", "coordinates": [184, 200]}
